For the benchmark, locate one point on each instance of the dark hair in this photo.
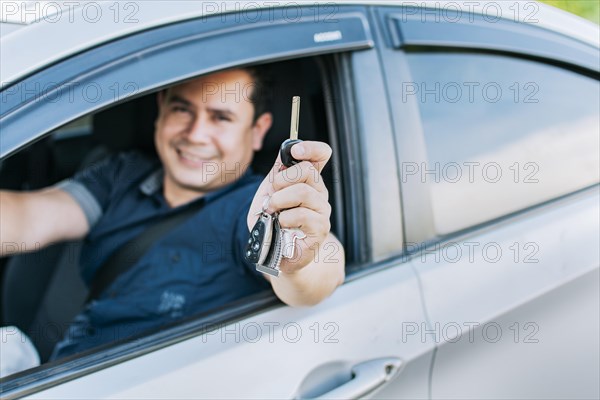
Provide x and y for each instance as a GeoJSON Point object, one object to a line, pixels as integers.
{"type": "Point", "coordinates": [262, 91]}
{"type": "Point", "coordinates": [261, 95]}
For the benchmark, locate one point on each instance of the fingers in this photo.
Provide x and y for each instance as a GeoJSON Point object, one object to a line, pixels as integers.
{"type": "Point", "coordinates": [303, 172]}
{"type": "Point", "coordinates": [306, 175]}
{"type": "Point", "coordinates": [318, 153]}
{"type": "Point", "coordinates": [309, 221]}
{"type": "Point", "coordinates": [300, 195]}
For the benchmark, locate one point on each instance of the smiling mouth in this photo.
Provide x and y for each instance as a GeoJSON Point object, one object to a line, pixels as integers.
{"type": "Point", "coordinates": [191, 158]}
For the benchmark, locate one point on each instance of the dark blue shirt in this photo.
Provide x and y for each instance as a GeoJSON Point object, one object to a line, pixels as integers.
{"type": "Point", "coordinates": [197, 266]}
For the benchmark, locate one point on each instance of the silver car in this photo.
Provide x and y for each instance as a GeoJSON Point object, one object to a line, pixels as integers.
{"type": "Point", "coordinates": [464, 184]}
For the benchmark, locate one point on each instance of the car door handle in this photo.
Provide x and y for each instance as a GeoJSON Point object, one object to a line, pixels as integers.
{"type": "Point", "coordinates": [366, 377]}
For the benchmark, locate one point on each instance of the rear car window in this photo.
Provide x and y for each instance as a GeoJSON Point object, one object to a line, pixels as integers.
{"type": "Point", "coordinates": [502, 134]}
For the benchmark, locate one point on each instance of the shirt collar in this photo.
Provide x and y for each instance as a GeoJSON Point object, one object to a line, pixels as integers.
{"type": "Point", "coordinates": [153, 184]}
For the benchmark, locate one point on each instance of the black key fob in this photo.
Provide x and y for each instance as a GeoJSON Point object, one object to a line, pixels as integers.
{"type": "Point", "coordinates": [260, 238]}
{"type": "Point", "coordinates": [286, 152]}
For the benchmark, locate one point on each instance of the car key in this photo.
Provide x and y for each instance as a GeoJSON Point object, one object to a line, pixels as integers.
{"type": "Point", "coordinates": [273, 261]}
{"type": "Point", "coordinates": [268, 242]}
{"type": "Point", "coordinates": [265, 244]}
{"type": "Point", "coordinates": [286, 147]}
{"type": "Point", "coordinates": [260, 240]}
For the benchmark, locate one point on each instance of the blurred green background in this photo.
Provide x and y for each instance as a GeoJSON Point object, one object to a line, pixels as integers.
{"type": "Point", "coordinates": [589, 9]}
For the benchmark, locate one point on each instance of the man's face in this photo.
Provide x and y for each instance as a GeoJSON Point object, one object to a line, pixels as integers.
{"type": "Point", "coordinates": [205, 135]}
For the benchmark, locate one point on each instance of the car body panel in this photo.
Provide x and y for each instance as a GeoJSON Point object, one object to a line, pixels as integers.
{"type": "Point", "coordinates": [548, 348]}
{"type": "Point", "coordinates": [529, 320]}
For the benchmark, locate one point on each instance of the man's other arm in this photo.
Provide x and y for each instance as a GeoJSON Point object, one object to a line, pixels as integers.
{"type": "Point", "coordinates": [32, 220]}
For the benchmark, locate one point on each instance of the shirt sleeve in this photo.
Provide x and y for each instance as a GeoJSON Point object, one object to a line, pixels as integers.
{"type": "Point", "coordinates": [92, 187]}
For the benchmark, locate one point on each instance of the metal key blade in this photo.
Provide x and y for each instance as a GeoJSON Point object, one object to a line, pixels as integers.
{"type": "Point", "coordinates": [295, 117]}
{"type": "Point", "coordinates": [286, 147]}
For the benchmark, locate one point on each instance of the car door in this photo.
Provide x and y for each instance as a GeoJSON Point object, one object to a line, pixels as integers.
{"type": "Point", "coordinates": [353, 343]}
{"type": "Point", "coordinates": [497, 124]}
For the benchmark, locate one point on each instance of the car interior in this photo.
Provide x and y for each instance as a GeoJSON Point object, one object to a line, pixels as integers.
{"type": "Point", "coordinates": [41, 291]}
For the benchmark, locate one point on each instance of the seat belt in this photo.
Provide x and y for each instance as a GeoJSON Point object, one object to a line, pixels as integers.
{"type": "Point", "coordinates": [130, 253]}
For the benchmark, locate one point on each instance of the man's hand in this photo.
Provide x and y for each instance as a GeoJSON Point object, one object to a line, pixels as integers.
{"type": "Point", "coordinates": [299, 195]}
{"type": "Point", "coordinates": [301, 198]}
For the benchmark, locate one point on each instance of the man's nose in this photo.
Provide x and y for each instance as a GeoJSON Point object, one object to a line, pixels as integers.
{"type": "Point", "coordinates": [200, 131]}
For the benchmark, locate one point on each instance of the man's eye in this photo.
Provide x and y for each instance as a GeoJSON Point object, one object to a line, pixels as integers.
{"type": "Point", "coordinates": [178, 109]}
{"type": "Point", "coordinates": [221, 117]}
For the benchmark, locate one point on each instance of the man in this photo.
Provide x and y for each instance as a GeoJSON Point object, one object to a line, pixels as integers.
{"type": "Point", "coordinates": [205, 138]}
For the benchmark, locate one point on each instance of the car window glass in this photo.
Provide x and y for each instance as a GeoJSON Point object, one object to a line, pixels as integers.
{"type": "Point", "coordinates": [502, 134]}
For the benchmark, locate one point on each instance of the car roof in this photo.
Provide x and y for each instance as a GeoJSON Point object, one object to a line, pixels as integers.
{"type": "Point", "coordinates": [66, 31]}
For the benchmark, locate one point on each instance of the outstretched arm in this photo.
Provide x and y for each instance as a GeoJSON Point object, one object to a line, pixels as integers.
{"type": "Point", "coordinates": [302, 200]}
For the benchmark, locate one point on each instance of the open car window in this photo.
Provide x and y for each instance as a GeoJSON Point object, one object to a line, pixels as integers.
{"type": "Point", "coordinates": [42, 292]}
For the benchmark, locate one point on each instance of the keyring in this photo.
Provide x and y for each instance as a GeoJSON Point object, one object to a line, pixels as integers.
{"type": "Point", "coordinates": [265, 204]}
